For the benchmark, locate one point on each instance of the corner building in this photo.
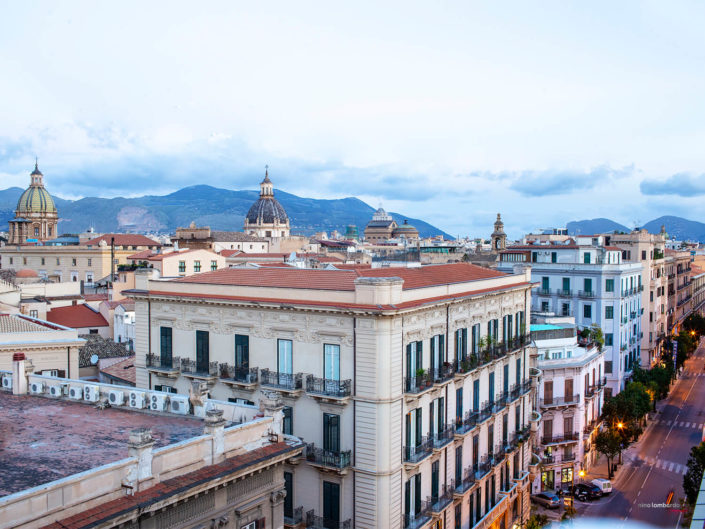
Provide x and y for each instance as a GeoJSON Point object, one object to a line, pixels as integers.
{"type": "Point", "coordinates": [409, 386]}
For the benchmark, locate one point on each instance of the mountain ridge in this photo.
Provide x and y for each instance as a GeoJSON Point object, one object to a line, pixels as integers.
{"type": "Point", "coordinates": [676, 227]}
{"type": "Point", "coordinates": [221, 209]}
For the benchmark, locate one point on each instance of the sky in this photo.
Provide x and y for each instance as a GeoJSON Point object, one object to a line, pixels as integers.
{"type": "Point", "coordinates": [446, 111]}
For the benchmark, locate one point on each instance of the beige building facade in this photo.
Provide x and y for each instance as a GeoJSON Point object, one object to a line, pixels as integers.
{"type": "Point", "coordinates": [412, 416]}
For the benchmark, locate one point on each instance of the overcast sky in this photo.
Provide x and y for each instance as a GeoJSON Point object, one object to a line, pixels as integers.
{"type": "Point", "coordinates": [447, 111]}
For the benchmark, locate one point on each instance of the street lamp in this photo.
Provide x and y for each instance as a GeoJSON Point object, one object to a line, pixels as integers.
{"type": "Point", "coordinates": [581, 473]}
{"type": "Point", "coordinates": [620, 425]}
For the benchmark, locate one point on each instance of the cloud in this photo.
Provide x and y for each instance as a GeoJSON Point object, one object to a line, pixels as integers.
{"type": "Point", "coordinates": [681, 184]}
{"type": "Point", "coordinates": [561, 182]}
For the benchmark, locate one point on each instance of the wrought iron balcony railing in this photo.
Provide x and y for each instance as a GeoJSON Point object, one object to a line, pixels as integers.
{"type": "Point", "coordinates": [443, 373]}
{"type": "Point", "coordinates": [466, 482]}
{"type": "Point", "coordinates": [560, 401]}
{"type": "Point", "coordinates": [313, 521]}
{"type": "Point", "coordinates": [244, 375]}
{"type": "Point", "coordinates": [419, 451]}
{"type": "Point", "coordinates": [327, 387]}
{"type": "Point", "coordinates": [279, 380]}
{"type": "Point", "coordinates": [442, 500]}
{"type": "Point", "coordinates": [297, 516]}
{"type": "Point", "coordinates": [419, 382]}
{"type": "Point", "coordinates": [192, 367]}
{"type": "Point", "coordinates": [467, 423]}
{"type": "Point", "coordinates": [442, 438]}
{"type": "Point", "coordinates": [165, 363]}
{"type": "Point", "coordinates": [327, 458]}
{"type": "Point", "coordinates": [417, 519]}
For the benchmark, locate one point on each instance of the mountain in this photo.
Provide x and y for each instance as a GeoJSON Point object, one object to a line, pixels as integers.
{"type": "Point", "coordinates": [221, 209]}
{"type": "Point", "coordinates": [676, 227]}
{"type": "Point", "coordinates": [588, 227]}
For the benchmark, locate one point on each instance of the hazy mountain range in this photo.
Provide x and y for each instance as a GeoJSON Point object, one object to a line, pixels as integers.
{"type": "Point", "coordinates": [221, 209]}
{"type": "Point", "coordinates": [676, 227]}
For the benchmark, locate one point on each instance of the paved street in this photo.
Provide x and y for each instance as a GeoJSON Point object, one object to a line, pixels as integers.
{"type": "Point", "coordinates": [656, 464]}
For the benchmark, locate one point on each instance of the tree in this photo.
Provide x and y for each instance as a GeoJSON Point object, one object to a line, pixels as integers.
{"type": "Point", "coordinates": [694, 476]}
{"type": "Point", "coordinates": [609, 443]}
{"type": "Point", "coordinates": [537, 521]}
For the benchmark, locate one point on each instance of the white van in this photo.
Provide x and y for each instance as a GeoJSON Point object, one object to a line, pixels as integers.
{"type": "Point", "coordinates": [605, 485]}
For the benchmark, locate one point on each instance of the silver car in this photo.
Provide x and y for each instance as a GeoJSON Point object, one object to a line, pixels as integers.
{"type": "Point", "coordinates": [547, 499]}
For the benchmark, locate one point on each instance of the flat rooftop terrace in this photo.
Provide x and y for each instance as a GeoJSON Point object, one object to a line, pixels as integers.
{"type": "Point", "coordinates": [43, 439]}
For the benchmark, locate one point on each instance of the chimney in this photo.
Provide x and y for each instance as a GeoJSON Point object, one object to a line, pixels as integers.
{"type": "Point", "coordinates": [19, 378]}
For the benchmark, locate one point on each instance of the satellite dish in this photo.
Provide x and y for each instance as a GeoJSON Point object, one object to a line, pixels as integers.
{"type": "Point", "coordinates": [94, 359]}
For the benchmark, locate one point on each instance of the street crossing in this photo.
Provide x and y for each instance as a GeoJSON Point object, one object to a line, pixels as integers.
{"type": "Point", "coordinates": [668, 466]}
{"type": "Point", "coordinates": [679, 424]}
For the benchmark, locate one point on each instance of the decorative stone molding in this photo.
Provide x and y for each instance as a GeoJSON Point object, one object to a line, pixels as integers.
{"type": "Point", "coordinates": [277, 497]}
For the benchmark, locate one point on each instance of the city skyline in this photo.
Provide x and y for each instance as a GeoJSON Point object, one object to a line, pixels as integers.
{"type": "Point", "coordinates": [434, 113]}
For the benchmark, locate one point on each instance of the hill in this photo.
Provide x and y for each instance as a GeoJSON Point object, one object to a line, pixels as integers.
{"type": "Point", "coordinates": [676, 227]}
{"type": "Point", "coordinates": [588, 227]}
{"type": "Point", "coordinates": [221, 209]}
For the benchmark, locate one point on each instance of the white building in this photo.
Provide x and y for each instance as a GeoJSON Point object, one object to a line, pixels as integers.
{"type": "Point", "coordinates": [124, 323]}
{"type": "Point", "coordinates": [570, 399]}
{"type": "Point", "coordinates": [589, 281]}
{"type": "Point", "coordinates": [412, 416]}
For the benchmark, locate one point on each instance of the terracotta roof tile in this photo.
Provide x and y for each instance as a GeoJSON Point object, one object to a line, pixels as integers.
{"type": "Point", "coordinates": [140, 256]}
{"type": "Point", "coordinates": [123, 239]}
{"type": "Point", "coordinates": [124, 370]}
{"type": "Point", "coordinates": [76, 317]}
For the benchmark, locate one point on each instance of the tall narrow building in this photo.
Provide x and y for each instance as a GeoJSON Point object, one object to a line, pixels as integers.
{"type": "Point", "coordinates": [36, 217]}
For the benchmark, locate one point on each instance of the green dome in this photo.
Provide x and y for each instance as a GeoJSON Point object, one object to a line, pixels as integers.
{"type": "Point", "coordinates": [36, 199]}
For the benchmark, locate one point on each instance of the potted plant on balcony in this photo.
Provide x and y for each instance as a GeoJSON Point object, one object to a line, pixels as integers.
{"type": "Point", "coordinates": [421, 378]}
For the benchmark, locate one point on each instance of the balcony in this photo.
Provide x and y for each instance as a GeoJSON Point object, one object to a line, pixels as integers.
{"type": "Point", "coordinates": [498, 454]}
{"type": "Point", "coordinates": [296, 518]}
{"type": "Point", "coordinates": [589, 392]}
{"type": "Point", "coordinates": [543, 291]}
{"type": "Point", "coordinates": [500, 402]}
{"type": "Point", "coordinates": [291, 383]}
{"type": "Point", "coordinates": [569, 437]}
{"type": "Point", "coordinates": [590, 427]}
{"type": "Point", "coordinates": [466, 424]}
{"type": "Point", "coordinates": [313, 521]}
{"type": "Point", "coordinates": [589, 294]}
{"type": "Point", "coordinates": [328, 459]}
{"type": "Point", "coordinates": [485, 411]}
{"type": "Point", "coordinates": [534, 372]}
{"type": "Point", "coordinates": [564, 293]}
{"type": "Point", "coordinates": [440, 502]}
{"type": "Point", "coordinates": [329, 390]}
{"type": "Point", "coordinates": [560, 401]}
{"type": "Point", "coordinates": [601, 383]}
{"type": "Point", "coordinates": [163, 367]}
{"type": "Point", "coordinates": [243, 377]}
{"type": "Point", "coordinates": [483, 467]}
{"type": "Point", "coordinates": [419, 383]}
{"type": "Point", "coordinates": [442, 374]}
{"type": "Point", "coordinates": [465, 484]}
{"type": "Point", "coordinates": [418, 519]}
{"type": "Point", "coordinates": [442, 438]}
{"type": "Point", "coordinates": [514, 392]}
{"type": "Point", "coordinates": [417, 453]}
{"type": "Point", "coordinates": [192, 369]}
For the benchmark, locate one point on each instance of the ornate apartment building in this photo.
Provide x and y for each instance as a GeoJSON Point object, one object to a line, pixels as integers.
{"type": "Point", "coordinates": [569, 399]}
{"type": "Point", "coordinates": [587, 279]}
{"type": "Point", "coordinates": [409, 386]}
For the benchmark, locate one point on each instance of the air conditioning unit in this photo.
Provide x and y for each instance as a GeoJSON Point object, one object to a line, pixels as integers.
{"type": "Point", "coordinates": [179, 404]}
{"type": "Point", "coordinates": [7, 382]}
{"type": "Point", "coordinates": [76, 393]}
{"type": "Point", "coordinates": [157, 402]}
{"type": "Point", "coordinates": [55, 391]}
{"type": "Point", "coordinates": [37, 388]}
{"type": "Point", "coordinates": [91, 393]}
{"type": "Point", "coordinates": [116, 398]}
{"type": "Point", "coordinates": [137, 399]}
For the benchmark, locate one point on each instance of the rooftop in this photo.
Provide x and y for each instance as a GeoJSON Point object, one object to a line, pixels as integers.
{"type": "Point", "coordinates": [101, 347]}
{"type": "Point", "coordinates": [12, 323]}
{"type": "Point", "coordinates": [64, 438]}
{"type": "Point", "coordinates": [343, 280]}
{"type": "Point", "coordinates": [123, 239]}
{"type": "Point", "coordinates": [76, 317]}
{"type": "Point", "coordinates": [123, 370]}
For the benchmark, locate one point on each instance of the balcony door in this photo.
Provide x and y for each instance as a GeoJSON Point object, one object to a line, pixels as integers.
{"type": "Point", "coordinates": [331, 432]}
{"type": "Point", "coordinates": [331, 504]}
{"type": "Point", "coordinates": [568, 389]}
{"type": "Point", "coordinates": [437, 353]}
{"type": "Point", "coordinates": [435, 479]}
{"type": "Point", "coordinates": [165, 348]}
{"type": "Point", "coordinates": [331, 367]}
{"type": "Point", "coordinates": [414, 359]}
{"type": "Point", "coordinates": [242, 351]}
{"type": "Point", "coordinates": [285, 362]}
{"type": "Point", "coordinates": [412, 497]}
{"type": "Point", "coordinates": [548, 391]}
{"type": "Point", "coordinates": [202, 352]}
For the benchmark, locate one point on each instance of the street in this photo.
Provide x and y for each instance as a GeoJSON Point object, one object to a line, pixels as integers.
{"type": "Point", "coordinates": [656, 464]}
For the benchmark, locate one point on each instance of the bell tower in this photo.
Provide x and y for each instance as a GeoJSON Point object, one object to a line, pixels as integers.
{"type": "Point", "coordinates": [499, 238]}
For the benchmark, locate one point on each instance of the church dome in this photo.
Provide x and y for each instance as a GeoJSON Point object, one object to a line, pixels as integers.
{"type": "Point", "coordinates": [405, 230]}
{"type": "Point", "coordinates": [36, 199]}
{"type": "Point", "coordinates": [267, 210]}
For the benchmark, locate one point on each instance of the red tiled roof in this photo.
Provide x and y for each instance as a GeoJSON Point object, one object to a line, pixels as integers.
{"type": "Point", "coordinates": [423, 276]}
{"type": "Point", "coordinates": [171, 487]}
{"type": "Point", "coordinates": [123, 239]}
{"type": "Point", "coordinates": [230, 253]}
{"type": "Point", "coordinates": [76, 317]}
{"type": "Point", "coordinates": [613, 248]}
{"type": "Point", "coordinates": [263, 255]}
{"type": "Point", "coordinates": [124, 370]}
{"type": "Point", "coordinates": [95, 297]}
{"type": "Point", "coordinates": [140, 256]}
{"type": "Point", "coordinates": [162, 256]}
{"type": "Point", "coordinates": [26, 273]}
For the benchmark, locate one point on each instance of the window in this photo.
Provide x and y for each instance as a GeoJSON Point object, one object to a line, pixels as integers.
{"type": "Point", "coordinates": [33, 313]}
{"type": "Point", "coordinates": [461, 345]}
{"type": "Point", "coordinates": [73, 262]}
{"type": "Point", "coordinates": [414, 361]}
{"type": "Point", "coordinates": [412, 496]}
{"type": "Point", "coordinates": [93, 331]}
{"type": "Point", "coordinates": [285, 357]}
{"type": "Point", "coordinates": [459, 405]}
{"type": "Point", "coordinates": [24, 260]}
{"type": "Point", "coordinates": [90, 262]}
{"type": "Point", "coordinates": [587, 285]}
{"type": "Point", "coordinates": [544, 306]}
{"type": "Point", "coordinates": [165, 347]}
{"type": "Point", "coordinates": [11, 259]}
{"type": "Point", "coordinates": [288, 422]}
{"type": "Point", "coordinates": [609, 338]}
{"type": "Point", "coordinates": [51, 231]}
{"type": "Point", "coordinates": [587, 311]}
{"type": "Point", "coordinates": [182, 267]}
{"type": "Point", "coordinates": [643, 255]}
{"type": "Point", "coordinates": [214, 265]}
{"type": "Point", "coordinates": [58, 262]}
{"type": "Point", "coordinates": [565, 309]}
{"type": "Point", "coordinates": [289, 498]}
{"type": "Point", "coordinates": [42, 260]}
{"type": "Point", "coordinates": [609, 312]}
{"type": "Point", "coordinates": [544, 284]}
{"type": "Point", "coordinates": [197, 266]}
{"type": "Point", "coordinates": [534, 257]}
{"type": "Point", "coordinates": [437, 353]}
{"type": "Point", "coordinates": [331, 362]}
{"type": "Point", "coordinates": [586, 258]}
{"type": "Point", "coordinates": [331, 432]}
{"type": "Point", "coordinates": [242, 352]}
{"type": "Point", "coordinates": [554, 257]}
{"type": "Point", "coordinates": [202, 352]}
{"type": "Point", "coordinates": [608, 366]}
{"type": "Point", "coordinates": [165, 388]}
{"type": "Point", "coordinates": [566, 285]}
{"type": "Point", "coordinates": [36, 232]}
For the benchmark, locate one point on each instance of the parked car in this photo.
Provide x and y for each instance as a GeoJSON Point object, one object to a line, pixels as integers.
{"type": "Point", "coordinates": [605, 485]}
{"type": "Point", "coordinates": [586, 491]}
{"type": "Point", "coordinates": [547, 499]}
